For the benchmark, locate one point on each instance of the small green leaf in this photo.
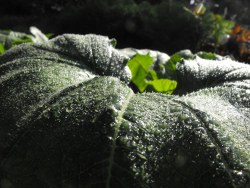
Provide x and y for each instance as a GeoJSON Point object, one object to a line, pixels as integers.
{"type": "Point", "coordinates": [113, 42]}
{"type": "Point", "coordinates": [20, 41]}
{"type": "Point", "coordinates": [171, 66]}
{"type": "Point", "coordinates": [163, 85]}
{"type": "Point", "coordinates": [175, 58]}
{"type": "Point", "coordinates": [139, 67]}
{"type": "Point", "coordinates": [1, 48]}
{"type": "Point", "coordinates": [49, 35]}
{"type": "Point", "coordinates": [26, 37]}
{"type": "Point", "coordinates": [205, 55]}
{"type": "Point", "coordinates": [186, 54]}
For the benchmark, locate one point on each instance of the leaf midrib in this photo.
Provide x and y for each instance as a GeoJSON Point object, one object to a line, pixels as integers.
{"type": "Point", "coordinates": [117, 126]}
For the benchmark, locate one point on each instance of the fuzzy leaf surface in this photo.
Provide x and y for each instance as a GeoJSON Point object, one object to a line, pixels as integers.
{"type": "Point", "coordinates": [67, 120]}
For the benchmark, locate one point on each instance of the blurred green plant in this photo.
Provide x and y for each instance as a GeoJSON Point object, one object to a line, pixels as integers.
{"type": "Point", "coordinates": [9, 39]}
{"type": "Point", "coordinates": [162, 25]}
{"type": "Point", "coordinates": [25, 39]}
{"type": "Point", "coordinates": [143, 25]}
{"type": "Point", "coordinates": [215, 29]}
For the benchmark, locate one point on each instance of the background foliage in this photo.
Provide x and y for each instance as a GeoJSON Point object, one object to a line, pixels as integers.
{"type": "Point", "coordinates": [155, 24]}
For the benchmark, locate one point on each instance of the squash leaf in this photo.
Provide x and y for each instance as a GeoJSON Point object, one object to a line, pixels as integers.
{"type": "Point", "coordinates": [69, 119]}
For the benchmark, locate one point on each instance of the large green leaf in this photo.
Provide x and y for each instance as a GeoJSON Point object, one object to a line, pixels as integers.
{"type": "Point", "coordinates": [66, 121]}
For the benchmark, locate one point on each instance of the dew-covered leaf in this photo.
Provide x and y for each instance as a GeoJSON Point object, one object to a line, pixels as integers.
{"type": "Point", "coordinates": [38, 36]}
{"type": "Point", "coordinates": [66, 121]}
